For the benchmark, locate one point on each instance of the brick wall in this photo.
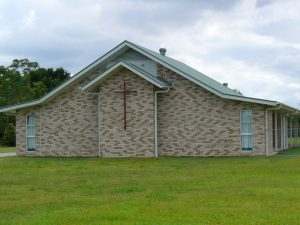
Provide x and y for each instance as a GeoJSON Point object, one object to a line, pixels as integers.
{"type": "Point", "coordinates": [194, 122]}
{"type": "Point", "coordinates": [138, 138]}
{"type": "Point", "coordinates": [191, 121]}
{"type": "Point", "coordinates": [65, 126]}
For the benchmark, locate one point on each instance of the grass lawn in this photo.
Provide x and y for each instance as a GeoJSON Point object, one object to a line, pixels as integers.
{"type": "Point", "coordinates": [294, 141]}
{"type": "Point", "coordinates": [290, 152]}
{"type": "Point", "coordinates": [7, 149]}
{"type": "Point", "coordinates": [220, 190]}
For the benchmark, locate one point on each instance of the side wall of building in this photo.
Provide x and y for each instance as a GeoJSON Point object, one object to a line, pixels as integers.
{"type": "Point", "coordinates": [195, 122]}
{"type": "Point", "coordinates": [138, 138]}
{"type": "Point", "coordinates": [65, 126]}
{"type": "Point", "coordinates": [191, 121]}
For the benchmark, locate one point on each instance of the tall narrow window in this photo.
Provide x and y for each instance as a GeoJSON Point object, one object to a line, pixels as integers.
{"type": "Point", "coordinates": [246, 130]}
{"type": "Point", "coordinates": [30, 131]}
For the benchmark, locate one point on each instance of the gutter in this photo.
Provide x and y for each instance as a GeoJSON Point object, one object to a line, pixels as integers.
{"type": "Point", "coordinates": [286, 107]}
{"type": "Point", "coordinates": [98, 120]}
{"type": "Point", "coordinates": [155, 119]}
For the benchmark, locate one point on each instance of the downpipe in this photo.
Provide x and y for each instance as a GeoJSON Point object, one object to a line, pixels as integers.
{"type": "Point", "coordinates": [155, 120]}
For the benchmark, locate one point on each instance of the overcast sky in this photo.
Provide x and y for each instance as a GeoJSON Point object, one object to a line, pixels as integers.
{"type": "Point", "coordinates": [254, 45]}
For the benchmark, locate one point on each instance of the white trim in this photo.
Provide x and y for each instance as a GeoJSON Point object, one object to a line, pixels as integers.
{"type": "Point", "coordinates": [90, 85]}
{"type": "Point", "coordinates": [26, 118]}
{"type": "Point", "coordinates": [26, 121]}
{"type": "Point", "coordinates": [245, 99]}
{"type": "Point", "coordinates": [281, 131]}
{"type": "Point", "coordinates": [276, 131]}
{"type": "Point", "coordinates": [98, 118]}
{"type": "Point", "coordinates": [155, 120]}
{"type": "Point", "coordinates": [266, 132]}
{"type": "Point", "coordinates": [286, 132]}
{"type": "Point", "coordinates": [246, 134]}
{"type": "Point", "coordinates": [111, 53]}
{"type": "Point", "coordinates": [65, 84]}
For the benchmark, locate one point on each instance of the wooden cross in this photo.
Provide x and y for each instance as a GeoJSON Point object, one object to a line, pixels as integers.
{"type": "Point", "coordinates": [125, 92]}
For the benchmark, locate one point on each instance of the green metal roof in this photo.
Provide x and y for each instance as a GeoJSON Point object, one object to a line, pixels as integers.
{"type": "Point", "coordinates": [91, 85]}
{"type": "Point", "coordinates": [178, 67]}
{"type": "Point", "coordinates": [200, 77]}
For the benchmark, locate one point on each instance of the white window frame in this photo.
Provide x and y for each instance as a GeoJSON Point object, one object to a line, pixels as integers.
{"type": "Point", "coordinates": [27, 116]}
{"type": "Point", "coordinates": [246, 134]}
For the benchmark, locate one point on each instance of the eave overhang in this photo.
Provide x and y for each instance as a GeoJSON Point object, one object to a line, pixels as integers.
{"type": "Point", "coordinates": [117, 51]}
{"type": "Point", "coordinates": [92, 86]}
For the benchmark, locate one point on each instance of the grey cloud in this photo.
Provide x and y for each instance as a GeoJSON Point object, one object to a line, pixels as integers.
{"type": "Point", "coordinates": [262, 3]}
{"type": "Point", "coordinates": [287, 30]}
{"type": "Point", "coordinates": [74, 35]}
{"type": "Point", "coordinates": [160, 16]}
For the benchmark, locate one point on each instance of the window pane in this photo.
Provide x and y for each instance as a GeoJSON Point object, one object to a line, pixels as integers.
{"type": "Point", "coordinates": [31, 120]}
{"type": "Point", "coordinates": [246, 130]}
{"type": "Point", "coordinates": [246, 142]}
{"type": "Point", "coordinates": [243, 116]}
{"type": "Point", "coordinates": [30, 131]}
{"type": "Point", "coordinates": [246, 116]}
{"type": "Point", "coordinates": [31, 144]}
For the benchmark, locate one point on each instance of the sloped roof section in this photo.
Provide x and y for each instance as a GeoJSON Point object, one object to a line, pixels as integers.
{"type": "Point", "coordinates": [172, 64]}
{"type": "Point", "coordinates": [91, 86]}
{"type": "Point", "coordinates": [200, 77]}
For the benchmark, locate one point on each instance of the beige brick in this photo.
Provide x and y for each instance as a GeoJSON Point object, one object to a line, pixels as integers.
{"type": "Point", "coordinates": [65, 126]}
{"type": "Point", "coordinates": [137, 139]}
{"type": "Point", "coordinates": [195, 122]}
{"type": "Point", "coordinates": [191, 121]}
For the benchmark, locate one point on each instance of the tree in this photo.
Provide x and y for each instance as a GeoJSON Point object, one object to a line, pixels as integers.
{"type": "Point", "coordinates": [49, 77]}
{"type": "Point", "coordinates": [23, 65]}
{"type": "Point", "coordinates": [38, 89]}
{"type": "Point", "coordinates": [23, 81]}
{"type": "Point", "coordinates": [9, 136]}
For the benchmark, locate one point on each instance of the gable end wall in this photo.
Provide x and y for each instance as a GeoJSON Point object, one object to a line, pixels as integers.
{"type": "Point", "coordinates": [138, 138]}
{"type": "Point", "coordinates": [65, 126]}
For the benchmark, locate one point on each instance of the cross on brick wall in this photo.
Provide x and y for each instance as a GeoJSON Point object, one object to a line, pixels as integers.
{"type": "Point", "coordinates": [125, 92]}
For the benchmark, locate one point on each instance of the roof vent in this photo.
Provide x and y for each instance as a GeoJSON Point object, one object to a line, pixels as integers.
{"type": "Point", "coordinates": [163, 51]}
{"type": "Point", "coordinates": [225, 84]}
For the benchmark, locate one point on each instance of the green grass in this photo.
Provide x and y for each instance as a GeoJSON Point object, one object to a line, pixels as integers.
{"type": "Point", "coordinates": [290, 152]}
{"type": "Point", "coordinates": [294, 141]}
{"type": "Point", "coordinates": [221, 190]}
{"type": "Point", "coordinates": [7, 149]}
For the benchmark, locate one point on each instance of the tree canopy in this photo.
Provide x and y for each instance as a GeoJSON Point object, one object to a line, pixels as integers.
{"type": "Point", "coordinates": [23, 81]}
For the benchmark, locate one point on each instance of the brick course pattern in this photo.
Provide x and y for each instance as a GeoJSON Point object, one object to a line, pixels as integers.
{"type": "Point", "coordinates": [191, 121]}
{"type": "Point", "coordinates": [65, 126]}
{"type": "Point", "coordinates": [138, 139]}
{"type": "Point", "coordinates": [195, 122]}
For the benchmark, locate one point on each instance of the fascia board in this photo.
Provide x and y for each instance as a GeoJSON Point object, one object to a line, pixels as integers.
{"type": "Point", "coordinates": [251, 100]}
{"type": "Point", "coordinates": [176, 70]}
{"type": "Point", "coordinates": [90, 85]}
{"type": "Point", "coordinates": [244, 99]}
{"type": "Point", "coordinates": [67, 83]}
{"type": "Point", "coordinates": [115, 50]}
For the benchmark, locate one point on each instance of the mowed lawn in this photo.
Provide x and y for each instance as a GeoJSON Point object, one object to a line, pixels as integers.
{"type": "Point", "coordinates": [7, 149]}
{"type": "Point", "coordinates": [290, 152]}
{"type": "Point", "coordinates": [214, 190]}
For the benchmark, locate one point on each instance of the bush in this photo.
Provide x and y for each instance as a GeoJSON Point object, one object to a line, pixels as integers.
{"type": "Point", "coordinates": [9, 136]}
